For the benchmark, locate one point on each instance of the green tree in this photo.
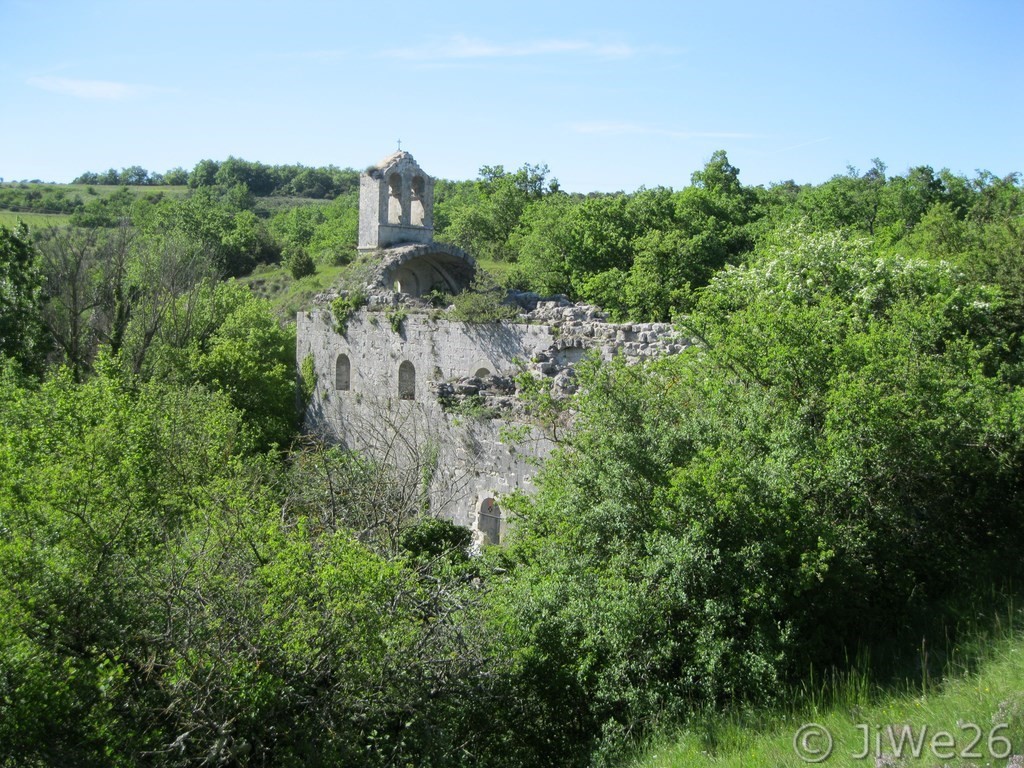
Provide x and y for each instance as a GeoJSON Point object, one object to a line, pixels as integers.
{"type": "Point", "coordinates": [106, 211]}
{"type": "Point", "coordinates": [166, 269]}
{"type": "Point", "coordinates": [89, 177]}
{"type": "Point", "coordinates": [299, 263]}
{"type": "Point", "coordinates": [256, 177]}
{"type": "Point", "coordinates": [542, 242]}
{"type": "Point", "coordinates": [176, 177]}
{"type": "Point", "coordinates": [908, 198]}
{"type": "Point", "coordinates": [172, 598]}
{"type": "Point", "coordinates": [226, 339]}
{"type": "Point", "coordinates": [204, 174]}
{"type": "Point", "coordinates": [135, 176]}
{"type": "Point", "coordinates": [88, 298]}
{"type": "Point", "coordinates": [21, 329]}
{"type": "Point", "coordinates": [483, 222]}
{"type": "Point", "coordinates": [976, 225]}
{"type": "Point", "coordinates": [234, 238]}
{"type": "Point", "coordinates": [98, 485]}
{"type": "Point", "coordinates": [640, 255]}
{"type": "Point", "coordinates": [834, 459]}
{"type": "Point", "coordinates": [328, 233]}
{"type": "Point", "coordinates": [110, 177]}
{"type": "Point", "coordinates": [853, 200]}
{"type": "Point", "coordinates": [312, 182]}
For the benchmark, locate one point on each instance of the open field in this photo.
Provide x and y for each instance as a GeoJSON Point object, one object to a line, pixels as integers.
{"type": "Point", "coordinates": [33, 220]}
{"type": "Point", "coordinates": [32, 198]}
{"type": "Point", "coordinates": [95, 190]}
{"type": "Point", "coordinates": [24, 198]}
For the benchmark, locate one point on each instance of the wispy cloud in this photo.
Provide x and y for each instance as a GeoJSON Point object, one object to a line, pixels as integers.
{"type": "Point", "coordinates": [639, 129]}
{"type": "Point", "coordinates": [460, 47]}
{"type": "Point", "coordinates": [102, 90]}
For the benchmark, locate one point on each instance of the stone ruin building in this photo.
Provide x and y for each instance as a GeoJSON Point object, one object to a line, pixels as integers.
{"type": "Point", "coordinates": [438, 398]}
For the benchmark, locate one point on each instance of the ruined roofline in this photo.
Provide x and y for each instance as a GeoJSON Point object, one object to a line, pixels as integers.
{"type": "Point", "coordinates": [391, 160]}
{"type": "Point", "coordinates": [398, 255]}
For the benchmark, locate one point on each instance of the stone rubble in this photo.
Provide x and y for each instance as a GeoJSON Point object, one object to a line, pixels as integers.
{"type": "Point", "coordinates": [578, 329]}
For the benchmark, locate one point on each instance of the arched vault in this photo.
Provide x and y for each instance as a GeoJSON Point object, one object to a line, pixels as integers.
{"type": "Point", "coordinates": [417, 269]}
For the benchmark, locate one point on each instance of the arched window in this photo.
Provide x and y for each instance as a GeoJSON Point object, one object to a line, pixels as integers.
{"type": "Point", "coordinates": [417, 216]}
{"type": "Point", "coordinates": [488, 521]}
{"type": "Point", "coordinates": [395, 199]}
{"type": "Point", "coordinates": [480, 368]}
{"type": "Point", "coordinates": [342, 374]}
{"type": "Point", "coordinates": [406, 381]}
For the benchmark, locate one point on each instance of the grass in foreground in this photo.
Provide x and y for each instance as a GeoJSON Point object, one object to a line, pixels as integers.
{"type": "Point", "coordinates": [970, 719]}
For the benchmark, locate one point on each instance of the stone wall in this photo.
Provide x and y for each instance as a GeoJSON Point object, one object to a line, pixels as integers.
{"type": "Point", "coordinates": [452, 424]}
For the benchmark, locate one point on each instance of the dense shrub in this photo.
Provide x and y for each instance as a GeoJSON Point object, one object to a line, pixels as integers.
{"type": "Point", "coordinates": [482, 302]}
{"type": "Point", "coordinates": [171, 598]}
{"type": "Point", "coordinates": [840, 454]}
{"type": "Point", "coordinates": [299, 263]}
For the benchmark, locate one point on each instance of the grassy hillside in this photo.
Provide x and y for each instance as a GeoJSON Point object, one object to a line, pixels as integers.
{"type": "Point", "coordinates": [95, 190]}
{"type": "Point", "coordinates": [275, 284]}
{"type": "Point", "coordinates": [42, 205]}
{"type": "Point", "coordinates": [975, 717]}
{"type": "Point", "coordinates": [33, 220]}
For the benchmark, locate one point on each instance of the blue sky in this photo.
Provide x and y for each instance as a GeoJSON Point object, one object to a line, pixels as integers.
{"type": "Point", "coordinates": [609, 95]}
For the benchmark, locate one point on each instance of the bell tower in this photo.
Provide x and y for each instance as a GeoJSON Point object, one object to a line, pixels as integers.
{"type": "Point", "coordinates": [396, 204]}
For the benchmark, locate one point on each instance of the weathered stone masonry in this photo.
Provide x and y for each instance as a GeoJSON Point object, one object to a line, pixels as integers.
{"type": "Point", "coordinates": [436, 395]}
{"type": "Point", "coordinates": [396, 394]}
